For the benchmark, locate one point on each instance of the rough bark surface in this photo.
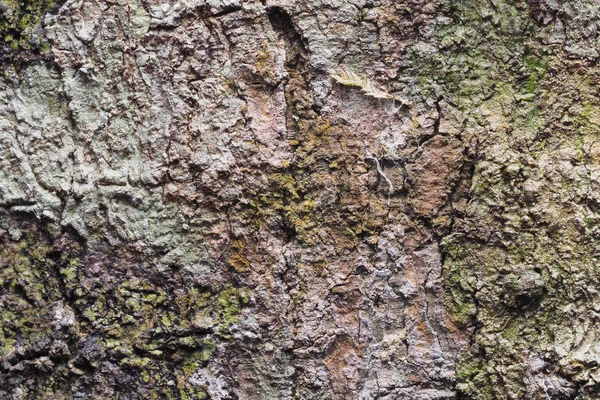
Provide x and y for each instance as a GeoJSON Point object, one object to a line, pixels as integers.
{"type": "Point", "coordinates": [318, 199]}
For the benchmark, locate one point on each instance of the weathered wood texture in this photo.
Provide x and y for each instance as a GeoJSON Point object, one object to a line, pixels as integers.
{"type": "Point", "coordinates": [318, 199]}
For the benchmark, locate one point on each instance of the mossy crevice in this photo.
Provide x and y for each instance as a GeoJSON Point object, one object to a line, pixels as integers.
{"type": "Point", "coordinates": [21, 28]}
{"type": "Point", "coordinates": [66, 321]}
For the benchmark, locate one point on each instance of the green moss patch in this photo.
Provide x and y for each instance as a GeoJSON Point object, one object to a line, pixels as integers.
{"type": "Point", "coordinates": [21, 24]}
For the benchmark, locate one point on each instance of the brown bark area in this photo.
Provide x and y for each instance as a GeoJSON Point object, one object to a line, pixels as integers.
{"type": "Point", "coordinates": [299, 200]}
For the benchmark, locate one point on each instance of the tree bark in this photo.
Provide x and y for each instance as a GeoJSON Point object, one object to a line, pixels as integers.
{"type": "Point", "coordinates": [318, 199]}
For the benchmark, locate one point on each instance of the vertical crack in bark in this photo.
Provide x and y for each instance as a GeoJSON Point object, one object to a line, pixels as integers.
{"type": "Point", "coordinates": [296, 87]}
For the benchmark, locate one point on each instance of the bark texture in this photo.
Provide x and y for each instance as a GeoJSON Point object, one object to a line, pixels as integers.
{"type": "Point", "coordinates": [318, 199]}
